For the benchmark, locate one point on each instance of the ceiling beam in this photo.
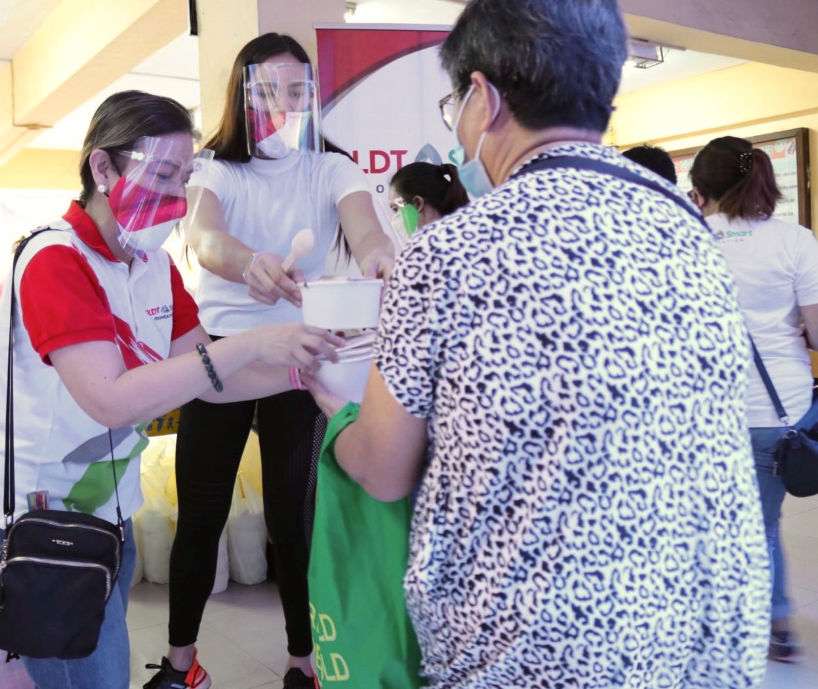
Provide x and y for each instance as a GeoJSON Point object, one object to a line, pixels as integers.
{"type": "Point", "coordinates": [778, 33]}
{"type": "Point", "coordinates": [788, 24]}
{"type": "Point", "coordinates": [718, 44]}
{"type": "Point", "coordinates": [12, 137]}
{"type": "Point", "coordinates": [81, 48]}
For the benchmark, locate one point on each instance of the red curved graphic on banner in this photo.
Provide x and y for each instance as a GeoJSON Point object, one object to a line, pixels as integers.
{"type": "Point", "coordinates": [346, 56]}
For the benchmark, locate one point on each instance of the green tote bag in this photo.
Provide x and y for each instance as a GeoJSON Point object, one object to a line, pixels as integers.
{"type": "Point", "coordinates": [361, 630]}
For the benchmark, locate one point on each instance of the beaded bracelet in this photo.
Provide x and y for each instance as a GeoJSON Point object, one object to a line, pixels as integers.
{"type": "Point", "coordinates": [208, 364]}
{"type": "Point", "coordinates": [246, 273]}
{"type": "Point", "coordinates": [295, 379]}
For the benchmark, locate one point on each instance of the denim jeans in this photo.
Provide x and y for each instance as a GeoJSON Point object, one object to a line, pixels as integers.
{"type": "Point", "coordinates": [772, 496]}
{"type": "Point", "coordinates": [109, 666]}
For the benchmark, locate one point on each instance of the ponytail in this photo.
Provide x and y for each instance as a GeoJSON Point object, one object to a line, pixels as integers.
{"type": "Point", "coordinates": [437, 185]}
{"type": "Point", "coordinates": [756, 193]}
{"type": "Point", "coordinates": [740, 178]}
{"type": "Point", "coordinates": [456, 195]}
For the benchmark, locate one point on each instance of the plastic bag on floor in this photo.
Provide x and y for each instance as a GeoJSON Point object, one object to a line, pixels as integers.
{"type": "Point", "coordinates": [154, 530]}
{"type": "Point", "coordinates": [155, 522]}
{"type": "Point", "coordinates": [137, 570]}
{"type": "Point", "coordinates": [247, 535]}
{"type": "Point", "coordinates": [222, 566]}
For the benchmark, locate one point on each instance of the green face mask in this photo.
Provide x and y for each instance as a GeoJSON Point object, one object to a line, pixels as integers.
{"type": "Point", "coordinates": [410, 217]}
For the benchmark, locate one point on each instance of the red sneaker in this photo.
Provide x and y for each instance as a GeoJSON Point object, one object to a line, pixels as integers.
{"type": "Point", "coordinates": [169, 677]}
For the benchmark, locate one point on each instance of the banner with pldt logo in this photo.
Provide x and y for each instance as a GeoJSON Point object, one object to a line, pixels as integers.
{"type": "Point", "coordinates": [362, 635]}
{"type": "Point", "coordinates": [380, 88]}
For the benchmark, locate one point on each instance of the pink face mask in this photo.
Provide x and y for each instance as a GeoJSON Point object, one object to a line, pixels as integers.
{"type": "Point", "coordinates": [145, 218]}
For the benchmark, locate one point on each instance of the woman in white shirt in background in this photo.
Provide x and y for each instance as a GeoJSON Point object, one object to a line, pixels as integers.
{"type": "Point", "coordinates": [268, 182]}
{"type": "Point", "coordinates": [775, 264]}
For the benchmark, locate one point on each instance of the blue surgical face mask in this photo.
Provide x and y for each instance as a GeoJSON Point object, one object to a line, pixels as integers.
{"type": "Point", "coordinates": [473, 173]}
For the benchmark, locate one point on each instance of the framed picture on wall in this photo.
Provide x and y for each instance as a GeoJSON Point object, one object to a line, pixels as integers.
{"type": "Point", "coordinates": [789, 153]}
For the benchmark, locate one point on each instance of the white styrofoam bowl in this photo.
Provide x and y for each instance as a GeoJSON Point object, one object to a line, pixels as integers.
{"type": "Point", "coordinates": [343, 304]}
{"type": "Point", "coordinates": [346, 378]}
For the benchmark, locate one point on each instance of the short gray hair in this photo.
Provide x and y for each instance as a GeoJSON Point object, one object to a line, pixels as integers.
{"type": "Point", "coordinates": [556, 62]}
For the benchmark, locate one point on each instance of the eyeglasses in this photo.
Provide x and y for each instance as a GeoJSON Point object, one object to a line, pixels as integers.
{"type": "Point", "coordinates": [447, 106]}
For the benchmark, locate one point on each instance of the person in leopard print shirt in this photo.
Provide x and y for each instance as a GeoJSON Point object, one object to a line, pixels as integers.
{"type": "Point", "coordinates": [561, 374]}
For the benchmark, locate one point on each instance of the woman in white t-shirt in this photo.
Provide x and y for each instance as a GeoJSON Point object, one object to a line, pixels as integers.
{"type": "Point", "coordinates": [269, 182]}
{"type": "Point", "coordinates": [775, 265]}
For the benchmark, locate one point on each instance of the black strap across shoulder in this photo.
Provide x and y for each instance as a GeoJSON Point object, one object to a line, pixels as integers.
{"type": "Point", "coordinates": [8, 469]}
{"type": "Point", "coordinates": [604, 168]}
{"type": "Point", "coordinates": [768, 383]}
{"type": "Point", "coordinates": [581, 163]}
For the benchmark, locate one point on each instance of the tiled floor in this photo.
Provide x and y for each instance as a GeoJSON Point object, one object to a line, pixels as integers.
{"type": "Point", "coordinates": [800, 534]}
{"type": "Point", "coordinates": [242, 641]}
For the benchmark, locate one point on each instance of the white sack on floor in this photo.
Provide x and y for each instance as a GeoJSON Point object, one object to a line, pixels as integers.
{"type": "Point", "coordinates": [155, 522]}
{"type": "Point", "coordinates": [222, 565]}
{"type": "Point", "coordinates": [137, 570]}
{"type": "Point", "coordinates": [247, 535]}
{"type": "Point", "coordinates": [154, 531]}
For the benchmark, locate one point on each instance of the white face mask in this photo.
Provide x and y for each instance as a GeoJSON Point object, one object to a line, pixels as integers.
{"type": "Point", "coordinates": [287, 137]}
{"type": "Point", "coordinates": [397, 224]}
{"type": "Point", "coordinates": [149, 238]}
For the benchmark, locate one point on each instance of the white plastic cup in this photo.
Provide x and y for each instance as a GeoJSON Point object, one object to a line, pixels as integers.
{"type": "Point", "coordinates": [344, 304]}
{"type": "Point", "coordinates": [346, 378]}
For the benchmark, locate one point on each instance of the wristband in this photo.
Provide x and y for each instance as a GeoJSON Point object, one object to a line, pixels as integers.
{"type": "Point", "coordinates": [246, 273]}
{"type": "Point", "coordinates": [208, 364]}
{"type": "Point", "coordinates": [295, 379]}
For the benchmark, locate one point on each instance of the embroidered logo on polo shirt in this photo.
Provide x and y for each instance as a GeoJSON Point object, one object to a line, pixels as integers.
{"type": "Point", "coordinates": [160, 313]}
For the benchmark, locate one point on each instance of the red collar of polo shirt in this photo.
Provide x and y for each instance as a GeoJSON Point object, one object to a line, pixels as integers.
{"type": "Point", "coordinates": [87, 230]}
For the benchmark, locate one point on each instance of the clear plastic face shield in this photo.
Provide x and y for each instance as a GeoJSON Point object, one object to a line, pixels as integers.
{"type": "Point", "coordinates": [151, 196]}
{"type": "Point", "coordinates": [281, 109]}
{"type": "Point", "coordinates": [405, 216]}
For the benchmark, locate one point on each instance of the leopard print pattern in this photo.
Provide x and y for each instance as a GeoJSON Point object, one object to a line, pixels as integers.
{"type": "Point", "coordinates": [588, 515]}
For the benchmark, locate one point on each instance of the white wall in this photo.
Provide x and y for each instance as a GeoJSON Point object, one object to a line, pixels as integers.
{"type": "Point", "coordinates": [22, 210]}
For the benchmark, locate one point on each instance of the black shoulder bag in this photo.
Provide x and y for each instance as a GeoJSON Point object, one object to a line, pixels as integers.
{"type": "Point", "coordinates": [57, 568]}
{"type": "Point", "coordinates": [796, 455]}
{"type": "Point", "coordinates": [797, 452]}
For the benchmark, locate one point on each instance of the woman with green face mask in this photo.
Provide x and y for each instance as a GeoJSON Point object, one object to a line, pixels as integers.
{"type": "Point", "coordinates": [420, 193]}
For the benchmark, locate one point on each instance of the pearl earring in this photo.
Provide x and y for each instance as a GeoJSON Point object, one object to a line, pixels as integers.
{"type": "Point", "coordinates": [102, 189]}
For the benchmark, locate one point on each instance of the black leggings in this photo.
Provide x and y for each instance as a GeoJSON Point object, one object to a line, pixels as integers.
{"type": "Point", "coordinates": [209, 445]}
